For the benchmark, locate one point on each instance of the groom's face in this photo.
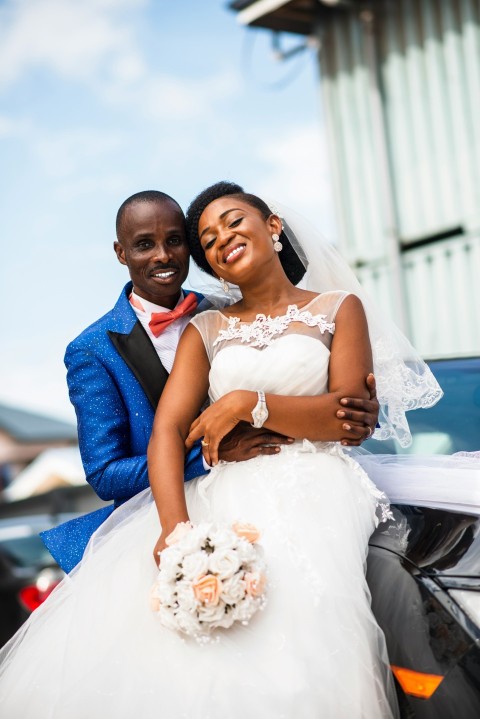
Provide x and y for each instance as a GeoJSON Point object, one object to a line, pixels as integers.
{"type": "Point", "coordinates": [152, 244]}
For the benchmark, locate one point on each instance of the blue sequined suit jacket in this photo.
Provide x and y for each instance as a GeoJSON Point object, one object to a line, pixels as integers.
{"type": "Point", "coordinates": [115, 379]}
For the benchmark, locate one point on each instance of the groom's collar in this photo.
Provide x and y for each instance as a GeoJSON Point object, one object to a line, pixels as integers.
{"type": "Point", "coordinates": [135, 347]}
{"type": "Point", "coordinates": [123, 318]}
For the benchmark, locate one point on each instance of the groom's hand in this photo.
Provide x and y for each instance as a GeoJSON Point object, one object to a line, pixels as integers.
{"type": "Point", "coordinates": [359, 416]}
{"type": "Point", "coordinates": [245, 442]}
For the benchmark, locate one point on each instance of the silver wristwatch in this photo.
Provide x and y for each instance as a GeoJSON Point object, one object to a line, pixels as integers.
{"type": "Point", "coordinates": [260, 411]}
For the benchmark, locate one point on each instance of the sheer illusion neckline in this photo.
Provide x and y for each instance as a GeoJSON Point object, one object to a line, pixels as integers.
{"type": "Point", "coordinates": [294, 306]}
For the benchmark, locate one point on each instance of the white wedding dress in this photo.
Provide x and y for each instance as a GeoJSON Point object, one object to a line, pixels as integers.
{"type": "Point", "coordinates": [95, 648]}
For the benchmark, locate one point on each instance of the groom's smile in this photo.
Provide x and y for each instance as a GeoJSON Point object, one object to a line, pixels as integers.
{"type": "Point", "coordinates": [166, 274]}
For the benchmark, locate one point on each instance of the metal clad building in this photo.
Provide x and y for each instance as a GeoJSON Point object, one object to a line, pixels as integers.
{"type": "Point", "coordinates": [401, 87]}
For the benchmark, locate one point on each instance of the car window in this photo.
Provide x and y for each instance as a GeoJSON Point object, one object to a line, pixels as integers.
{"type": "Point", "coordinates": [26, 551]}
{"type": "Point", "coordinates": [453, 424]}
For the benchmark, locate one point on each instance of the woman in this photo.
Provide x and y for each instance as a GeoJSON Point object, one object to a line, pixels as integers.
{"type": "Point", "coordinates": [94, 649]}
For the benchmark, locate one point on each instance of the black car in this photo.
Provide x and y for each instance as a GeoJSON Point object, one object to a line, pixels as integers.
{"type": "Point", "coordinates": [28, 573]}
{"type": "Point", "coordinates": [424, 568]}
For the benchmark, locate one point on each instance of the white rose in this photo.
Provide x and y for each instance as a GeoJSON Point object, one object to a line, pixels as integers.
{"type": "Point", "coordinates": [187, 622]}
{"type": "Point", "coordinates": [258, 565]}
{"type": "Point", "coordinates": [233, 589]}
{"type": "Point", "coordinates": [171, 554]}
{"type": "Point", "coordinates": [245, 609]}
{"type": "Point", "coordinates": [194, 565]}
{"type": "Point", "coordinates": [169, 572]}
{"type": "Point", "coordinates": [225, 622]}
{"type": "Point", "coordinates": [224, 538]}
{"type": "Point", "coordinates": [185, 596]}
{"type": "Point", "coordinates": [246, 551]}
{"type": "Point", "coordinates": [191, 542]}
{"type": "Point", "coordinates": [171, 557]}
{"type": "Point", "coordinates": [224, 563]}
{"type": "Point", "coordinates": [165, 592]}
{"type": "Point", "coordinates": [167, 618]}
{"type": "Point", "coordinates": [211, 614]}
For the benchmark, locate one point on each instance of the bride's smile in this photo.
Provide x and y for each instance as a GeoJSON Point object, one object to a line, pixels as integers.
{"type": "Point", "coordinates": [232, 254]}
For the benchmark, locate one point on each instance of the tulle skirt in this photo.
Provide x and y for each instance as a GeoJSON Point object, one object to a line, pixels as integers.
{"type": "Point", "coordinates": [95, 648]}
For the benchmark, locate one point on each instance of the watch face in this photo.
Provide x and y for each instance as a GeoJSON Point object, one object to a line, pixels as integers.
{"type": "Point", "coordinates": [261, 414]}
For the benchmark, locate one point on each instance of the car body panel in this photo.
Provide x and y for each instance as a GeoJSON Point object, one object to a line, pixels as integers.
{"type": "Point", "coordinates": [412, 562]}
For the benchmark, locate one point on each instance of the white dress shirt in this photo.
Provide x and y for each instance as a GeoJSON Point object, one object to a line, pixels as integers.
{"type": "Point", "coordinates": [166, 343]}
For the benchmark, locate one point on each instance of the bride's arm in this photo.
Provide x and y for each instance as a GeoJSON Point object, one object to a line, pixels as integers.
{"type": "Point", "coordinates": [312, 418]}
{"type": "Point", "coordinates": [183, 396]}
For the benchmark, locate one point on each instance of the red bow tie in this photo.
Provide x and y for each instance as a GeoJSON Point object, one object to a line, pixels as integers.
{"type": "Point", "coordinates": [161, 320]}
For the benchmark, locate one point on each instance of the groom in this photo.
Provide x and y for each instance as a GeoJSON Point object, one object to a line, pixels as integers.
{"type": "Point", "coordinates": [117, 368]}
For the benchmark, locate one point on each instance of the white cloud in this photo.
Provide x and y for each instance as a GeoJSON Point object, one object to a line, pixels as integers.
{"type": "Point", "coordinates": [168, 97]}
{"type": "Point", "coordinates": [69, 37]}
{"type": "Point", "coordinates": [128, 68]}
{"type": "Point", "coordinates": [7, 126]}
{"type": "Point", "coordinates": [105, 185]}
{"type": "Point", "coordinates": [13, 127]}
{"type": "Point", "coordinates": [93, 42]}
{"type": "Point", "coordinates": [63, 153]}
{"type": "Point", "coordinates": [300, 174]}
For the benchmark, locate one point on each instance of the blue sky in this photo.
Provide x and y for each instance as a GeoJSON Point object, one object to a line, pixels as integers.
{"type": "Point", "coordinates": [102, 98]}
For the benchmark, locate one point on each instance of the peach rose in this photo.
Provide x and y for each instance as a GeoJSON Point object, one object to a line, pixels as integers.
{"type": "Point", "coordinates": [247, 531]}
{"type": "Point", "coordinates": [255, 583]}
{"type": "Point", "coordinates": [207, 589]}
{"type": "Point", "coordinates": [180, 531]}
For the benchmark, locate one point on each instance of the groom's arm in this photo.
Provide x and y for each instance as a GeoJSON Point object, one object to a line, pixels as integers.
{"type": "Point", "coordinates": [360, 416]}
{"type": "Point", "coordinates": [104, 431]}
{"type": "Point", "coordinates": [103, 428]}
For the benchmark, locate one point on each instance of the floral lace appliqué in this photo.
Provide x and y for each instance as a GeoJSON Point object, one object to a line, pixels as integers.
{"type": "Point", "coordinates": [263, 330]}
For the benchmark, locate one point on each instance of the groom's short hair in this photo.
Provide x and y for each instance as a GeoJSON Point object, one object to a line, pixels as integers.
{"type": "Point", "coordinates": [144, 196]}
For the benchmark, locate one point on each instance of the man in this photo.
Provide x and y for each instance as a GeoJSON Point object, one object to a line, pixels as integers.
{"type": "Point", "coordinates": [117, 368]}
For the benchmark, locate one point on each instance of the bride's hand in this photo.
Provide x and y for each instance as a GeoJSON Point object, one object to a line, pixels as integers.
{"type": "Point", "coordinates": [218, 420]}
{"type": "Point", "coordinates": [161, 541]}
{"type": "Point", "coordinates": [159, 547]}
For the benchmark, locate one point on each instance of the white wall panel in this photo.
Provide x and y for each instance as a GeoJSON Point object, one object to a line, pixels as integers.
{"type": "Point", "coordinates": [443, 293]}
{"type": "Point", "coordinates": [443, 296]}
{"type": "Point", "coordinates": [428, 61]}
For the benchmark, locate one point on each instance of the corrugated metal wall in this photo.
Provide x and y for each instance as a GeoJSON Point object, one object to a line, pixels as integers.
{"type": "Point", "coordinates": [418, 117]}
{"type": "Point", "coordinates": [442, 281]}
{"type": "Point", "coordinates": [442, 285]}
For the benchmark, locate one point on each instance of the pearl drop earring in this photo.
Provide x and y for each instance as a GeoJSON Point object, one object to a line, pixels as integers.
{"type": "Point", "coordinates": [277, 245]}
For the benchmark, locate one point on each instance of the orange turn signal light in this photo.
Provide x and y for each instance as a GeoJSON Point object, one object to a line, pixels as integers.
{"type": "Point", "coordinates": [417, 684]}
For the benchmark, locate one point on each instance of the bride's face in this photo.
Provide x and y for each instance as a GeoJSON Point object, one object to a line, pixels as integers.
{"type": "Point", "coordinates": [237, 239]}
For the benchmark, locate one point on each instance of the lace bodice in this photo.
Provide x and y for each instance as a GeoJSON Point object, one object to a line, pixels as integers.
{"type": "Point", "coordinates": [288, 354]}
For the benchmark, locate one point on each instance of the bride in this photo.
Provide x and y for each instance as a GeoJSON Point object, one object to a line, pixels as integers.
{"type": "Point", "coordinates": [281, 356]}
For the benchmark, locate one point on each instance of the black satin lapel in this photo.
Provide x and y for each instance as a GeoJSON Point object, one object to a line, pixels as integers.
{"type": "Point", "coordinates": [140, 355]}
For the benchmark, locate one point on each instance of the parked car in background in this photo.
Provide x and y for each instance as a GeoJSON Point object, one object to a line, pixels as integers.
{"type": "Point", "coordinates": [453, 424]}
{"type": "Point", "coordinates": [28, 573]}
{"type": "Point", "coordinates": [424, 567]}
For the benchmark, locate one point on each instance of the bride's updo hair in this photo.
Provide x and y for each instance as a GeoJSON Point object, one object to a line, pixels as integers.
{"type": "Point", "coordinates": [291, 263]}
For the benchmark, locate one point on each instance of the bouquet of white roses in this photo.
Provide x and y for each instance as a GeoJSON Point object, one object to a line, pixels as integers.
{"type": "Point", "coordinates": [210, 576]}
